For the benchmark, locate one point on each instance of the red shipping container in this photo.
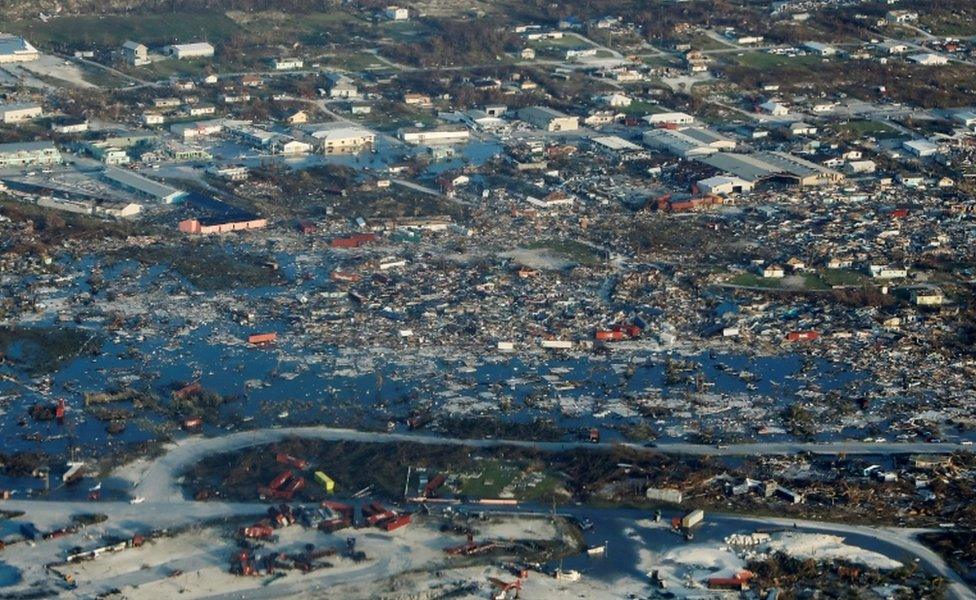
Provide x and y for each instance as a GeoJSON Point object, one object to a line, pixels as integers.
{"type": "Point", "coordinates": [396, 522]}
{"type": "Point", "coordinates": [280, 480]}
{"type": "Point", "coordinates": [262, 338]}
{"type": "Point", "coordinates": [609, 336]}
{"type": "Point", "coordinates": [802, 336]}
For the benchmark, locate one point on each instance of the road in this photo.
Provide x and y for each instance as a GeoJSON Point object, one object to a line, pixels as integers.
{"type": "Point", "coordinates": [159, 481]}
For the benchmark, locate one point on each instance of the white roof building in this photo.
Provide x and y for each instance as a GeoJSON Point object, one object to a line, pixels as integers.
{"type": "Point", "coordinates": [194, 50]}
{"type": "Point", "coordinates": [16, 49]}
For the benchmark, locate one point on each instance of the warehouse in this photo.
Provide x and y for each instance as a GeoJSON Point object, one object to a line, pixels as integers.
{"type": "Point", "coordinates": [723, 185]}
{"type": "Point", "coordinates": [18, 113]}
{"type": "Point", "coordinates": [440, 135]}
{"type": "Point", "coordinates": [189, 51]}
{"type": "Point", "coordinates": [336, 138]}
{"type": "Point", "coordinates": [22, 154]}
{"type": "Point", "coordinates": [134, 182]}
{"type": "Point", "coordinates": [670, 118]}
{"type": "Point", "coordinates": [546, 118]}
{"type": "Point", "coordinates": [16, 49]}
{"type": "Point", "coordinates": [688, 142]}
{"type": "Point", "coordinates": [762, 166]}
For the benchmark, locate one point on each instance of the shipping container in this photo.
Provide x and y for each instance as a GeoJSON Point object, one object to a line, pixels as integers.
{"type": "Point", "coordinates": [280, 480]}
{"type": "Point", "coordinates": [693, 518]}
{"type": "Point", "coordinates": [262, 338]}
{"type": "Point", "coordinates": [288, 459]}
{"type": "Point", "coordinates": [802, 336]}
{"type": "Point", "coordinates": [609, 336]}
{"type": "Point", "coordinates": [325, 481]}
{"type": "Point", "coordinates": [396, 522]}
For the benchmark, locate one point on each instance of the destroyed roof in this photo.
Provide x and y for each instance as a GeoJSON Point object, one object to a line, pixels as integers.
{"type": "Point", "coordinates": [763, 165]}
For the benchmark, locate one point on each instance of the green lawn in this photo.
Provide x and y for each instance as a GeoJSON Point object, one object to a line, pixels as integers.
{"type": "Point", "coordinates": [495, 476]}
{"type": "Point", "coordinates": [833, 277]}
{"type": "Point", "coordinates": [571, 250]}
{"type": "Point", "coordinates": [753, 280]}
{"type": "Point", "coordinates": [867, 128]}
{"type": "Point", "coordinates": [765, 60]}
{"type": "Point", "coordinates": [152, 30]}
{"type": "Point", "coordinates": [352, 61]}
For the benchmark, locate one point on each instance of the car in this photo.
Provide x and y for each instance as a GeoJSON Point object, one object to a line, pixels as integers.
{"type": "Point", "coordinates": [137, 500]}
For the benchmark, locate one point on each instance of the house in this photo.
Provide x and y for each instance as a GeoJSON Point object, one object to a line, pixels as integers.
{"type": "Point", "coordinates": [773, 272]}
{"type": "Point", "coordinates": [199, 110]}
{"type": "Point", "coordinates": [20, 112]}
{"type": "Point", "coordinates": [887, 272]}
{"type": "Point", "coordinates": [527, 54]}
{"type": "Point", "coordinates": [135, 54]}
{"type": "Point", "coordinates": [14, 49]}
{"type": "Point", "coordinates": [251, 80]}
{"type": "Point", "coordinates": [549, 119]}
{"type": "Point", "coordinates": [287, 64]}
{"type": "Point", "coordinates": [288, 146]}
{"type": "Point", "coordinates": [189, 51]}
{"type": "Point", "coordinates": [855, 167]}
{"type": "Point", "coordinates": [297, 118]}
{"type": "Point", "coordinates": [69, 125]}
{"type": "Point", "coordinates": [189, 131]}
{"type": "Point", "coordinates": [893, 48]}
{"type": "Point", "coordinates": [820, 49]}
{"type": "Point", "coordinates": [413, 99]}
{"type": "Point", "coordinates": [900, 17]}
{"type": "Point", "coordinates": [341, 86]}
{"type": "Point", "coordinates": [616, 100]}
{"type": "Point", "coordinates": [153, 119]}
{"type": "Point", "coordinates": [397, 13]}
{"type": "Point", "coordinates": [801, 128]}
{"type": "Point", "coordinates": [928, 59]}
{"type": "Point", "coordinates": [928, 297]}
{"type": "Point", "coordinates": [774, 108]}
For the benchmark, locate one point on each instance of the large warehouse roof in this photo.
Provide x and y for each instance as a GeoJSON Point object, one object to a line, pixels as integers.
{"type": "Point", "coordinates": [143, 185]}
{"type": "Point", "coordinates": [764, 165]}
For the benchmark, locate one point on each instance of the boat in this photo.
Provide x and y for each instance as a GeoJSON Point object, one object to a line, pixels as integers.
{"type": "Point", "coordinates": [567, 575]}
{"type": "Point", "coordinates": [597, 550]}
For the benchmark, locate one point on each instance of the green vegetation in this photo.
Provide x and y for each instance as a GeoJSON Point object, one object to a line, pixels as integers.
{"type": "Point", "coordinates": [857, 129]}
{"type": "Point", "coordinates": [208, 266]}
{"type": "Point", "coordinates": [152, 30]}
{"type": "Point", "coordinates": [43, 350]}
{"type": "Point", "coordinates": [756, 281]}
{"type": "Point", "coordinates": [572, 250]}
{"type": "Point", "coordinates": [832, 277]}
{"type": "Point", "coordinates": [497, 479]}
{"type": "Point", "coordinates": [765, 60]}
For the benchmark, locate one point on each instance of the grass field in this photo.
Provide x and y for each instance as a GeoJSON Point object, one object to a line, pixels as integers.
{"type": "Point", "coordinates": [572, 250]}
{"type": "Point", "coordinates": [152, 30]}
{"type": "Point", "coordinates": [867, 128]}
{"type": "Point", "coordinates": [765, 60]}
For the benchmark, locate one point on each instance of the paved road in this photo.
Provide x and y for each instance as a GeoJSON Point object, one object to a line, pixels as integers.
{"type": "Point", "coordinates": [159, 480]}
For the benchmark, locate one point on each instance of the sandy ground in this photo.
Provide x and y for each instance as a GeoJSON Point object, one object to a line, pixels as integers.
{"type": "Point", "coordinates": [821, 546]}
{"type": "Point", "coordinates": [52, 66]}
{"type": "Point", "coordinates": [195, 564]}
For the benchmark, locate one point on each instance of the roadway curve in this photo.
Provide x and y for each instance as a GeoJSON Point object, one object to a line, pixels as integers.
{"type": "Point", "coordinates": [159, 481]}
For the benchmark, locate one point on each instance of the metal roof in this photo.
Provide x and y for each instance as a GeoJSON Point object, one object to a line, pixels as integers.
{"type": "Point", "coordinates": [141, 184]}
